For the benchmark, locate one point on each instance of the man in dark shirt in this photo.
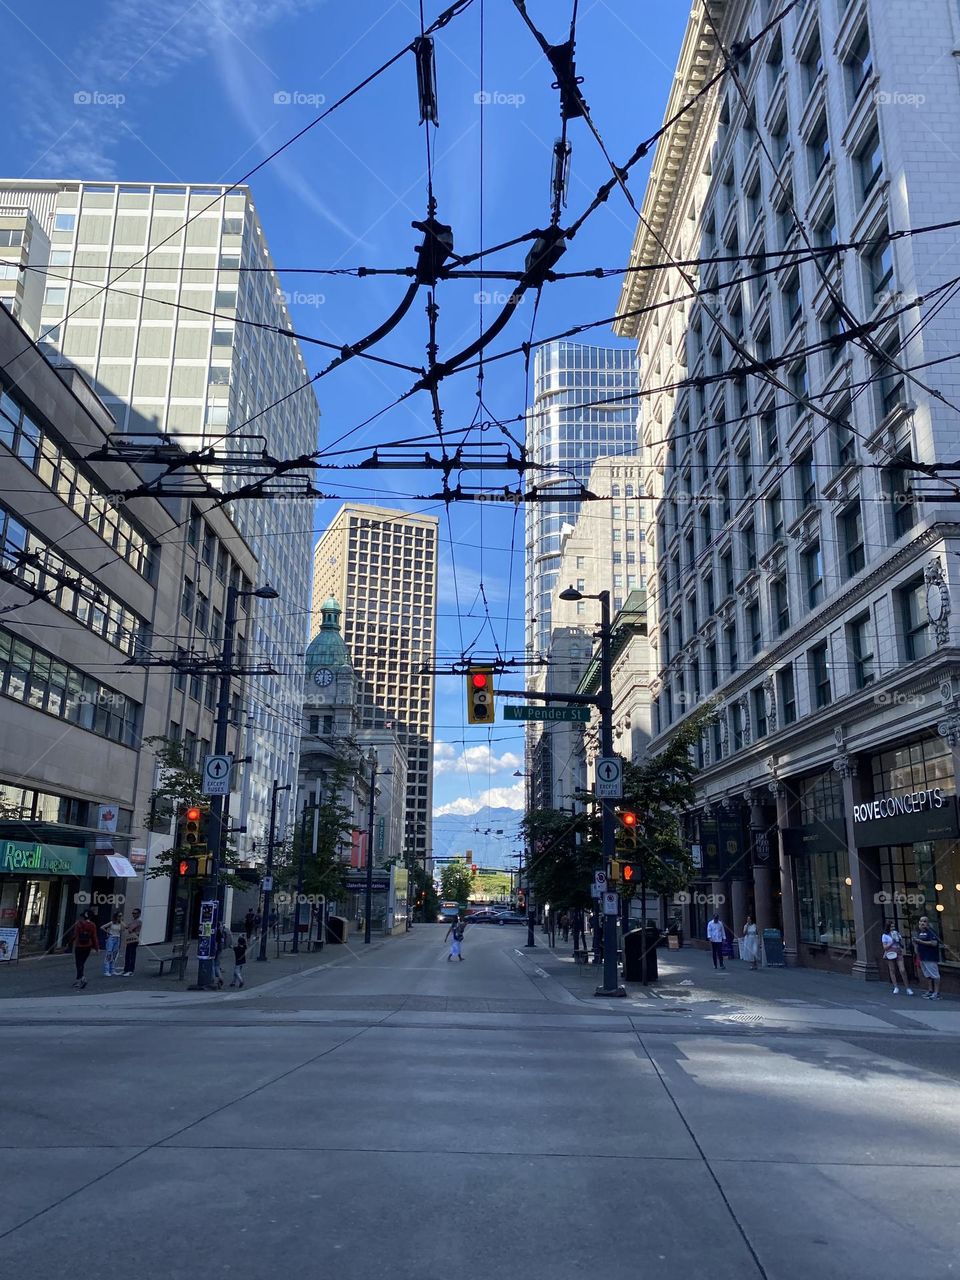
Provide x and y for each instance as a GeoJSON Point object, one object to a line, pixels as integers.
{"type": "Point", "coordinates": [133, 941]}
{"type": "Point", "coordinates": [927, 945]}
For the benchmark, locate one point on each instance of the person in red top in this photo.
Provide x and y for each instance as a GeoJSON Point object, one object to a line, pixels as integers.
{"type": "Point", "coordinates": [84, 941]}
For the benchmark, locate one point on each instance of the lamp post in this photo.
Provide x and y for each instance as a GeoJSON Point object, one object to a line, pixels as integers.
{"type": "Point", "coordinates": [374, 764]}
{"type": "Point", "coordinates": [531, 910]}
{"type": "Point", "coordinates": [220, 805]}
{"type": "Point", "coordinates": [268, 875]}
{"type": "Point", "coordinates": [604, 702]}
{"type": "Point", "coordinates": [313, 809]}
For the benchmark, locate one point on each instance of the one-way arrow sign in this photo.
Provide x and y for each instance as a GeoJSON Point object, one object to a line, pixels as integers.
{"type": "Point", "coordinates": [609, 778]}
{"type": "Point", "coordinates": [216, 775]}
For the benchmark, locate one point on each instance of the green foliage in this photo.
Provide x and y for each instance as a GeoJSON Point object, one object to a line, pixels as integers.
{"type": "Point", "coordinates": [658, 791]}
{"type": "Point", "coordinates": [564, 850]}
{"type": "Point", "coordinates": [333, 822]}
{"type": "Point", "coordinates": [179, 783]}
{"type": "Point", "coordinates": [425, 897]}
{"type": "Point", "coordinates": [456, 882]}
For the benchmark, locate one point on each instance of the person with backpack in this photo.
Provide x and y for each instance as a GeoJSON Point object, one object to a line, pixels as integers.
{"type": "Point", "coordinates": [239, 960]}
{"type": "Point", "coordinates": [455, 932]}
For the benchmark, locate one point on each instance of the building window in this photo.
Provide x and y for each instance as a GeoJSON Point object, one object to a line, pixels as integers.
{"type": "Point", "coordinates": [812, 561]}
{"type": "Point", "coordinates": [745, 464]}
{"type": "Point", "coordinates": [730, 643]}
{"type": "Point", "coordinates": [187, 599]}
{"type": "Point", "coordinates": [819, 675]}
{"type": "Point", "coordinates": [917, 638]}
{"type": "Point", "coordinates": [806, 483]}
{"type": "Point", "coordinates": [858, 65]}
{"type": "Point", "coordinates": [736, 726]}
{"type": "Point", "coordinates": [768, 433]}
{"type": "Point", "coordinates": [792, 301]}
{"type": "Point", "coordinates": [64, 221]}
{"type": "Point", "coordinates": [759, 708]}
{"type": "Point", "coordinates": [708, 594]}
{"type": "Point", "coordinates": [890, 384]}
{"type": "Point", "coordinates": [811, 62]}
{"type": "Point", "coordinates": [786, 695]}
{"type": "Point", "coordinates": [799, 387]}
{"type": "Point", "coordinates": [878, 272]}
{"type": "Point", "coordinates": [775, 516]}
{"type": "Point", "coordinates": [780, 605]}
{"type": "Point", "coordinates": [194, 527]}
{"type": "Point", "coordinates": [850, 525]}
{"type": "Point", "coordinates": [726, 573]}
{"type": "Point", "coordinates": [869, 164]}
{"type": "Point", "coordinates": [713, 669]}
{"type": "Point", "coordinates": [902, 502]}
{"type": "Point", "coordinates": [754, 629]}
{"type": "Point", "coordinates": [818, 149]}
{"type": "Point", "coordinates": [749, 547]}
{"type": "Point", "coordinates": [860, 641]}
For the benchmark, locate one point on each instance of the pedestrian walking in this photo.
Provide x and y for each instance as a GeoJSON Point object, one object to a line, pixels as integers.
{"type": "Point", "coordinates": [716, 935]}
{"type": "Point", "coordinates": [750, 946]}
{"type": "Point", "coordinates": [132, 936]}
{"type": "Point", "coordinates": [579, 931]}
{"type": "Point", "coordinates": [112, 932]}
{"type": "Point", "coordinates": [84, 941]}
{"type": "Point", "coordinates": [219, 942]}
{"type": "Point", "coordinates": [455, 933]}
{"type": "Point", "coordinates": [892, 945]}
{"type": "Point", "coordinates": [249, 923]}
{"type": "Point", "coordinates": [564, 925]}
{"type": "Point", "coordinates": [927, 945]}
{"type": "Point", "coordinates": [239, 960]}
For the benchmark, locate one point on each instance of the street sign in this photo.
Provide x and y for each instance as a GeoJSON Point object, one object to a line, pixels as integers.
{"type": "Point", "coordinates": [609, 782]}
{"type": "Point", "coordinates": [600, 880]}
{"type": "Point", "coordinates": [581, 714]}
{"type": "Point", "coordinates": [267, 884]}
{"type": "Point", "coordinates": [611, 904]}
{"type": "Point", "coordinates": [216, 775]}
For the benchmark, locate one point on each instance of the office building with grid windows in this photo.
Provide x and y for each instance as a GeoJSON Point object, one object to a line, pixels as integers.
{"type": "Point", "coordinates": [380, 565]}
{"type": "Point", "coordinates": [165, 350]}
{"type": "Point", "coordinates": [804, 569]}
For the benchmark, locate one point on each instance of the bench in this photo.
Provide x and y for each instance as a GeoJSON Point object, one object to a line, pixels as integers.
{"type": "Point", "coordinates": [177, 956]}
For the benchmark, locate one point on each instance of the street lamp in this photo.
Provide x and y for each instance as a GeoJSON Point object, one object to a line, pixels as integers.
{"type": "Point", "coordinates": [611, 984]}
{"type": "Point", "coordinates": [531, 910]}
{"type": "Point", "coordinates": [374, 763]}
{"type": "Point", "coordinates": [220, 805]}
{"type": "Point", "coordinates": [268, 874]}
{"type": "Point", "coordinates": [313, 809]}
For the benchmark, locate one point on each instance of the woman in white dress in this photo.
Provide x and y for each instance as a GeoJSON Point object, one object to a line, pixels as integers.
{"type": "Point", "coordinates": [750, 946]}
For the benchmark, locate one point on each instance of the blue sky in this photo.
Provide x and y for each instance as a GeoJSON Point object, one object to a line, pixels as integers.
{"type": "Point", "coordinates": [200, 90]}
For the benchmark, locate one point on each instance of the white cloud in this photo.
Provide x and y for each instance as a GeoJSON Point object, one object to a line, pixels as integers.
{"type": "Point", "coordinates": [493, 797]}
{"type": "Point", "coordinates": [479, 759]}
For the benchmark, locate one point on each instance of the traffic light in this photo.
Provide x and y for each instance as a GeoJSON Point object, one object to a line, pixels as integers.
{"type": "Point", "coordinates": [626, 829]}
{"type": "Point", "coordinates": [192, 823]}
{"type": "Point", "coordinates": [188, 868]}
{"type": "Point", "coordinates": [480, 695]}
{"type": "Point", "coordinates": [628, 873]}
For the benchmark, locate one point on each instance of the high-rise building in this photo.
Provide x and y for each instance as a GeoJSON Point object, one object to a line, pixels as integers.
{"type": "Point", "coordinates": [381, 565]}
{"type": "Point", "coordinates": [585, 406]}
{"type": "Point", "coordinates": [166, 349]}
{"type": "Point", "coordinates": [805, 565]}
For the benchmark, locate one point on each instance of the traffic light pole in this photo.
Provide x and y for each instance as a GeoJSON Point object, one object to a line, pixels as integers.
{"type": "Point", "coordinates": [268, 874]}
{"type": "Point", "coordinates": [368, 890]}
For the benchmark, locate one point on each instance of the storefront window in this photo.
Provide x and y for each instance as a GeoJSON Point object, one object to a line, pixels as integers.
{"type": "Point", "coordinates": [924, 879]}
{"type": "Point", "coordinates": [820, 798]}
{"type": "Point", "coordinates": [916, 767]}
{"type": "Point", "coordinates": [825, 899]}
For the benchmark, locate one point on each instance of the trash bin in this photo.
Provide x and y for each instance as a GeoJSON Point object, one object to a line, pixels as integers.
{"type": "Point", "coordinates": [773, 956]}
{"type": "Point", "coordinates": [633, 954]}
{"type": "Point", "coordinates": [336, 928]}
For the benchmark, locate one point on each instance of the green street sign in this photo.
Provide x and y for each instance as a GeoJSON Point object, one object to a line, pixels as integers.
{"type": "Point", "coordinates": [581, 714]}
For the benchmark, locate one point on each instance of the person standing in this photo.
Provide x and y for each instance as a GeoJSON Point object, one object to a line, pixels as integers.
{"type": "Point", "coordinates": [716, 936]}
{"type": "Point", "coordinates": [750, 946]}
{"type": "Point", "coordinates": [249, 923]}
{"type": "Point", "coordinates": [112, 931]}
{"type": "Point", "coordinates": [239, 960]}
{"type": "Point", "coordinates": [927, 945]}
{"type": "Point", "coordinates": [564, 925]}
{"type": "Point", "coordinates": [455, 932]}
{"type": "Point", "coordinates": [219, 942]}
{"type": "Point", "coordinates": [892, 945]}
{"type": "Point", "coordinates": [133, 941]}
{"type": "Point", "coordinates": [84, 941]}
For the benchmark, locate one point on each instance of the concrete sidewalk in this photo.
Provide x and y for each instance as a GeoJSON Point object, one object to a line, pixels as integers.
{"type": "Point", "coordinates": [54, 975]}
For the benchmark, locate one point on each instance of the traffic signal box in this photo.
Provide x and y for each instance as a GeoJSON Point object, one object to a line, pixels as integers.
{"type": "Point", "coordinates": [480, 695]}
{"type": "Point", "coordinates": [191, 841]}
{"type": "Point", "coordinates": [626, 843]}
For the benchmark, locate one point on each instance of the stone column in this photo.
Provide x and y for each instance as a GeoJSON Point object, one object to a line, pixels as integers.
{"type": "Point", "coordinates": [738, 906]}
{"type": "Point", "coordinates": [865, 875]}
{"type": "Point", "coordinates": [762, 852]}
{"type": "Point", "coordinates": [788, 887]}
{"type": "Point", "coordinates": [721, 894]}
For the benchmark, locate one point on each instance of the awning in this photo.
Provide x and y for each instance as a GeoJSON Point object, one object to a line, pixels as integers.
{"type": "Point", "coordinates": [114, 864]}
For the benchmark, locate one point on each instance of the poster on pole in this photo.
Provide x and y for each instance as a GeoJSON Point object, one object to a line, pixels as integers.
{"type": "Point", "coordinates": [9, 944]}
{"type": "Point", "coordinates": [206, 939]}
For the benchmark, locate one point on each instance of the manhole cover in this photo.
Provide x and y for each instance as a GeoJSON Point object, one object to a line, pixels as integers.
{"type": "Point", "coordinates": [745, 1017]}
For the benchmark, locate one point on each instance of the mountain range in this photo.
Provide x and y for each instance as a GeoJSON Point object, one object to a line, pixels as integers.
{"type": "Point", "coordinates": [490, 834]}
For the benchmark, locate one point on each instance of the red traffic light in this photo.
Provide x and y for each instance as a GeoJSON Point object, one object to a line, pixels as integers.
{"type": "Point", "coordinates": [193, 814]}
{"type": "Point", "coordinates": [184, 867]}
{"type": "Point", "coordinates": [628, 819]}
{"type": "Point", "coordinates": [627, 871]}
{"type": "Point", "coordinates": [480, 679]}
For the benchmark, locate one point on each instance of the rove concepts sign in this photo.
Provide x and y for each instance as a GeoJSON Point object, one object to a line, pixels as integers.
{"type": "Point", "coordinates": [917, 815]}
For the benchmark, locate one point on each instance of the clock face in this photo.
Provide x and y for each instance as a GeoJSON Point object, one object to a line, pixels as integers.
{"type": "Point", "coordinates": [323, 676]}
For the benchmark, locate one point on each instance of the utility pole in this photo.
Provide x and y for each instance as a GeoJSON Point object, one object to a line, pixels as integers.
{"type": "Point", "coordinates": [268, 876]}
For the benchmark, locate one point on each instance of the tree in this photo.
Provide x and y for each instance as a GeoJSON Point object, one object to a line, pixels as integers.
{"type": "Point", "coordinates": [333, 822]}
{"type": "Point", "coordinates": [658, 792]}
{"type": "Point", "coordinates": [564, 851]}
{"type": "Point", "coordinates": [456, 882]}
{"type": "Point", "coordinates": [179, 783]}
{"type": "Point", "coordinates": [425, 898]}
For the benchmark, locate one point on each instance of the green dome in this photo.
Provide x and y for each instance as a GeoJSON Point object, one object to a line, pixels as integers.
{"type": "Point", "coordinates": [327, 648]}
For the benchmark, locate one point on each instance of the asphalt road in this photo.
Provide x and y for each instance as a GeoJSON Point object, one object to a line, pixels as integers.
{"type": "Point", "coordinates": [391, 1113]}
